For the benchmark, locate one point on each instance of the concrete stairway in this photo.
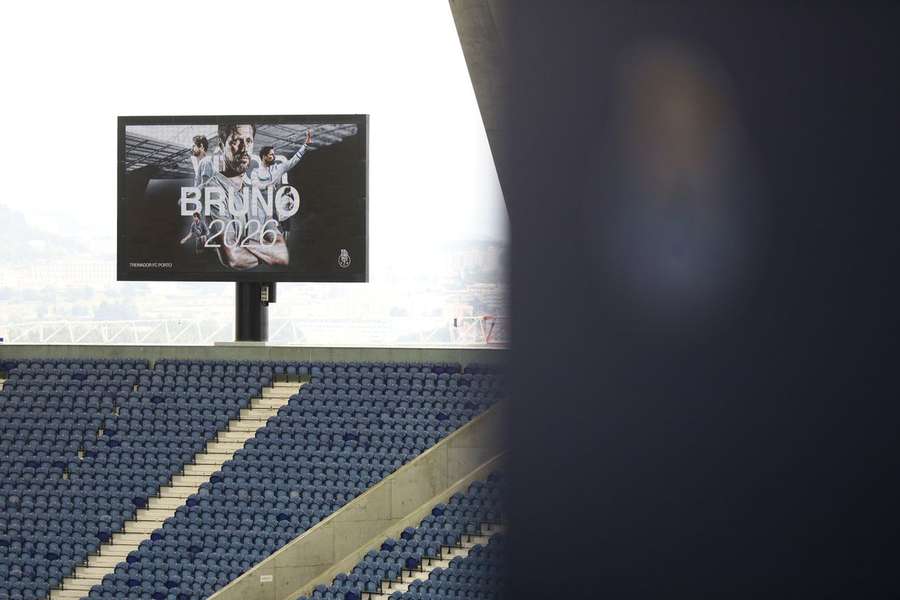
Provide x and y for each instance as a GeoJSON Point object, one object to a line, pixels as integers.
{"type": "Point", "coordinates": [174, 495]}
{"type": "Point", "coordinates": [429, 564]}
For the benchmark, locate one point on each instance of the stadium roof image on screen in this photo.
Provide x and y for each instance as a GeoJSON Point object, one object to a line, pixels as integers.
{"type": "Point", "coordinates": [243, 198]}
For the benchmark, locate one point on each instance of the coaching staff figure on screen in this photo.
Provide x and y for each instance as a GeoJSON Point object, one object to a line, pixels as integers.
{"type": "Point", "coordinates": [246, 249]}
{"type": "Point", "coordinates": [199, 232]}
{"type": "Point", "coordinates": [269, 174]}
{"type": "Point", "coordinates": [203, 164]}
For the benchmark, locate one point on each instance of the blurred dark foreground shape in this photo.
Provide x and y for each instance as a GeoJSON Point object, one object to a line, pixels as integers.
{"type": "Point", "coordinates": [704, 298]}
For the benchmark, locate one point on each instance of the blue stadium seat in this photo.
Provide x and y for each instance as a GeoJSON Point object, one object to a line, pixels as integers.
{"type": "Point", "coordinates": [350, 426]}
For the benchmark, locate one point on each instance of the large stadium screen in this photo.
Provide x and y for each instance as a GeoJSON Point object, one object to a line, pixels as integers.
{"type": "Point", "coordinates": [243, 198]}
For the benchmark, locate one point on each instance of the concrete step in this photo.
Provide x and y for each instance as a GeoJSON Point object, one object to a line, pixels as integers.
{"type": "Point", "coordinates": [235, 436]}
{"type": "Point", "coordinates": [128, 539]}
{"type": "Point", "coordinates": [157, 515]}
{"type": "Point", "coordinates": [176, 491]}
{"type": "Point", "coordinates": [92, 573]}
{"type": "Point", "coordinates": [216, 459]}
{"type": "Point", "coordinates": [279, 392]}
{"type": "Point", "coordinates": [258, 413]}
{"type": "Point", "coordinates": [104, 561]}
{"type": "Point", "coordinates": [164, 503]}
{"type": "Point", "coordinates": [145, 527]}
{"type": "Point", "coordinates": [267, 403]}
{"type": "Point", "coordinates": [282, 391]}
{"type": "Point", "coordinates": [66, 595]}
{"type": "Point", "coordinates": [193, 481]}
{"type": "Point", "coordinates": [205, 470]}
{"type": "Point", "coordinates": [259, 402]}
{"type": "Point", "coordinates": [223, 447]}
{"type": "Point", "coordinates": [249, 425]}
{"type": "Point", "coordinates": [118, 550]}
{"type": "Point", "coordinates": [80, 584]}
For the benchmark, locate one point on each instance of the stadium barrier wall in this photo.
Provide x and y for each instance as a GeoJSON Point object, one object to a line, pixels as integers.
{"type": "Point", "coordinates": [463, 356]}
{"type": "Point", "coordinates": [400, 500]}
{"type": "Point", "coordinates": [412, 520]}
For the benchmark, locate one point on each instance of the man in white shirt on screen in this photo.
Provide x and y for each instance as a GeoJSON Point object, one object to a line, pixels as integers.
{"type": "Point", "coordinates": [270, 173]}
{"type": "Point", "coordinates": [204, 165]}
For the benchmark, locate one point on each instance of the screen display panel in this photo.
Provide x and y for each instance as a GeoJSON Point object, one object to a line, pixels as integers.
{"type": "Point", "coordinates": [243, 198]}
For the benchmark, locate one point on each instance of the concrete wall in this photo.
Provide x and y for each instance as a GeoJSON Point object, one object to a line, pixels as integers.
{"type": "Point", "coordinates": [463, 356]}
{"type": "Point", "coordinates": [381, 511]}
{"type": "Point", "coordinates": [481, 26]}
{"type": "Point", "coordinates": [412, 520]}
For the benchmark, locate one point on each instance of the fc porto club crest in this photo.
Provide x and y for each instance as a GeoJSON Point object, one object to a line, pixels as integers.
{"type": "Point", "coordinates": [344, 258]}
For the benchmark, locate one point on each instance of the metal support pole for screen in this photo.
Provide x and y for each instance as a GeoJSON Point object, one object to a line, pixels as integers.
{"type": "Point", "coordinates": [251, 311]}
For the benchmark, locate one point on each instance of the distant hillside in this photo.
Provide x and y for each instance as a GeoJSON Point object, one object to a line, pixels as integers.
{"type": "Point", "coordinates": [22, 242]}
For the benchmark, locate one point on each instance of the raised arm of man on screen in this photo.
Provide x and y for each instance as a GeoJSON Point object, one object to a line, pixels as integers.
{"type": "Point", "coordinates": [269, 173]}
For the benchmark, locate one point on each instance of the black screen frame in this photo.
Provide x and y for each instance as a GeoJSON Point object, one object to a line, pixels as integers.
{"type": "Point", "coordinates": [122, 271]}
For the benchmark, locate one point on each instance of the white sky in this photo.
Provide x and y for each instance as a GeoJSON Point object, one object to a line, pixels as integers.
{"type": "Point", "coordinates": [70, 70]}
